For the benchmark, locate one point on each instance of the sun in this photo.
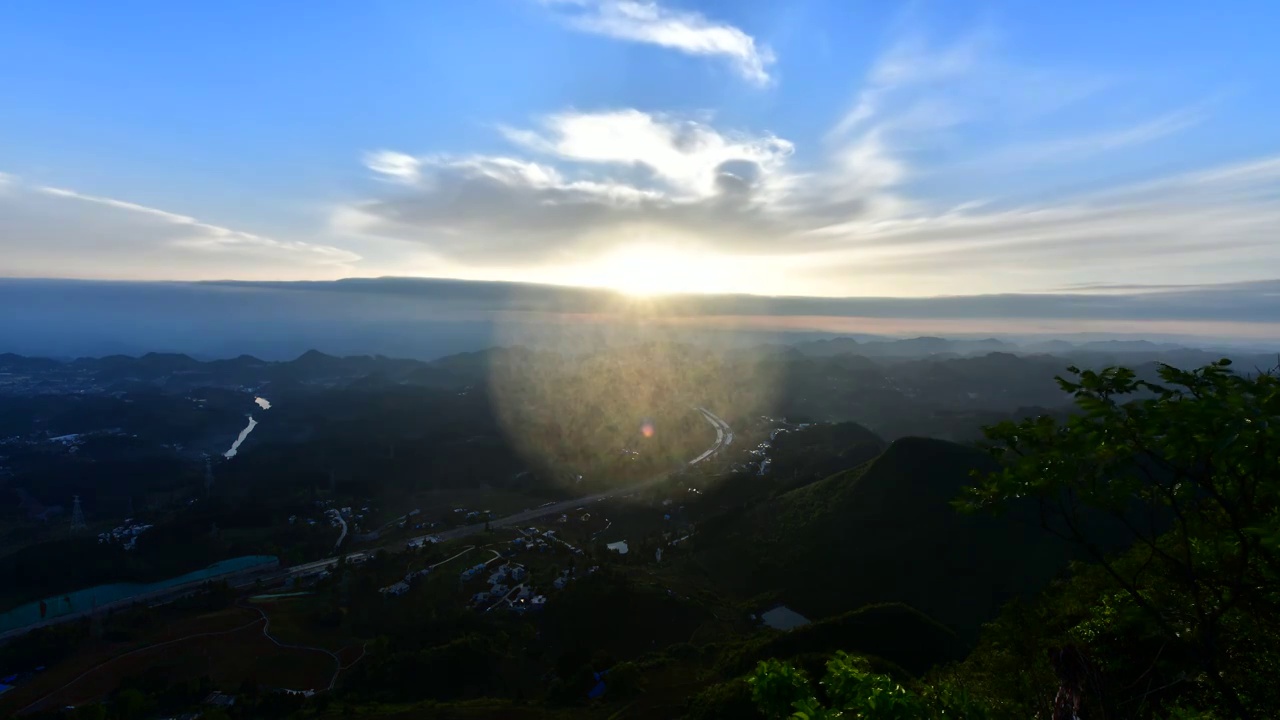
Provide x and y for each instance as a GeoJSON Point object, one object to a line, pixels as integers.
{"type": "Point", "coordinates": [647, 270]}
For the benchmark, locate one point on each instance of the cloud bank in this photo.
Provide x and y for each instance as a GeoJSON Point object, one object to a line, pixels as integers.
{"type": "Point", "coordinates": [885, 202]}
{"type": "Point", "coordinates": [586, 183]}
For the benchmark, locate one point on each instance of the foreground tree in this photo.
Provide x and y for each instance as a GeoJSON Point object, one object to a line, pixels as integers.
{"type": "Point", "coordinates": [851, 690]}
{"type": "Point", "coordinates": [1189, 468]}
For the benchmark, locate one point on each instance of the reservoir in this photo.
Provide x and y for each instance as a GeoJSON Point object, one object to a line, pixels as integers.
{"type": "Point", "coordinates": [101, 595]}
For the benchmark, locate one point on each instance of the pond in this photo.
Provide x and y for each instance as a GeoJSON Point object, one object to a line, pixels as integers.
{"type": "Point", "coordinates": [783, 618]}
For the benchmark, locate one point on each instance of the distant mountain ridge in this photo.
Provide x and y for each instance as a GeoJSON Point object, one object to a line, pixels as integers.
{"type": "Point", "coordinates": [910, 347]}
{"type": "Point", "coordinates": [428, 318]}
{"type": "Point", "coordinates": [886, 385]}
{"type": "Point", "coordinates": [176, 369]}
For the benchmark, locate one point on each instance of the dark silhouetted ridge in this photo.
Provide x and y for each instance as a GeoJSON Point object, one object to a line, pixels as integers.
{"type": "Point", "coordinates": [886, 532]}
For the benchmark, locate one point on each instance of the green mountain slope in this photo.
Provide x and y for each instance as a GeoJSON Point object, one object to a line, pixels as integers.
{"type": "Point", "coordinates": [805, 456]}
{"type": "Point", "coordinates": [885, 532]}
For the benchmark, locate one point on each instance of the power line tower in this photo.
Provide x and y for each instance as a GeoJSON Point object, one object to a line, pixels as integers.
{"type": "Point", "coordinates": [77, 514]}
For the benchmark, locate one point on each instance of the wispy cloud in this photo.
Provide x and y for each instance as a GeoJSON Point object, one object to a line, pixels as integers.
{"type": "Point", "coordinates": [684, 31]}
{"type": "Point", "coordinates": [54, 232]}
{"type": "Point", "coordinates": [394, 166]}
{"type": "Point", "coordinates": [910, 63]}
{"type": "Point", "coordinates": [1090, 144]}
{"type": "Point", "coordinates": [964, 105]}
{"type": "Point", "coordinates": [1204, 226]}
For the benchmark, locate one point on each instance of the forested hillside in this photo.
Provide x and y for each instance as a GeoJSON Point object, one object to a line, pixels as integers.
{"type": "Point", "coordinates": [1181, 624]}
{"type": "Point", "coordinates": [886, 531]}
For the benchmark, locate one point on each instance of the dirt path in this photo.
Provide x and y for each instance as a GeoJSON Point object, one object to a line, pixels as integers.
{"type": "Point", "coordinates": [263, 618]}
{"type": "Point", "coordinates": [131, 653]}
{"type": "Point", "coordinates": [337, 661]}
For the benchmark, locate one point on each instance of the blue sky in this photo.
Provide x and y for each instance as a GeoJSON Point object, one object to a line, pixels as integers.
{"type": "Point", "coordinates": [827, 147]}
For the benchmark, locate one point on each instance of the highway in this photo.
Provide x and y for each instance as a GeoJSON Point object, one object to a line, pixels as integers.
{"type": "Point", "coordinates": [251, 576]}
{"type": "Point", "coordinates": [724, 436]}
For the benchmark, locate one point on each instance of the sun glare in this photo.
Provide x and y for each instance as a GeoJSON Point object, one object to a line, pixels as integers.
{"type": "Point", "coordinates": [646, 270]}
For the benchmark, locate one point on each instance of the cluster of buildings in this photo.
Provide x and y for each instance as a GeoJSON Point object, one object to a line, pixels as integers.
{"type": "Point", "coordinates": [536, 541]}
{"type": "Point", "coordinates": [419, 543]}
{"type": "Point", "coordinates": [511, 572]}
{"type": "Point", "coordinates": [532, 544]}
{"type": "Point", "coordinates": [761, 462]}
{"type": "Point", "coordinates": [414, 517]}
{"type": "Point", "coordinates": [402, 587]}
{"type": "Point", "coordinates": [346, 513]}
{"type": "Point", "coordinates": [471, 515]}
{"type": "Point", "coordinates": [498, 581]}
{"type": "Point", "coordinates": [336, 516]}
{"type": "Point", "coordinates": [520, 598]}
{"type": "Point", "coordinates": [472, 572]}
{"type": "Point", "coordinates": [505, 586]}
{"type": "Point", "coordinates": [126, 536]}
{"type": "Point", "coordinates": [562, 579]}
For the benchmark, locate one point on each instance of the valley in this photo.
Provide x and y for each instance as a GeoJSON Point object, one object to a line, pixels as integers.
{"type": "Point", "coordinates": [511, 524]}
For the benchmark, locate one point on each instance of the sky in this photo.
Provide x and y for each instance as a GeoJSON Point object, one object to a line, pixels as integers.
{"type": "Point", "coordinates": [842, 148]}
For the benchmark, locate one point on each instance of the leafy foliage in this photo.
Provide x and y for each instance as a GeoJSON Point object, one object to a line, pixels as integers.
{"type": "Point", "coordinates": [851, 689]}
{"type": "Point", "coordinates": [891, 633]}
{"type": "Point", "coordinates": [1188, 467]}
{"type": "Point", "coordinates": [1182, 624]}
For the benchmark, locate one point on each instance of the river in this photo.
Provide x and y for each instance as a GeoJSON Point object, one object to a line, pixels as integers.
{"type": "Point", "coordinates": [235, 446]}
{"type": "Point", "coordinates": [101, 595]}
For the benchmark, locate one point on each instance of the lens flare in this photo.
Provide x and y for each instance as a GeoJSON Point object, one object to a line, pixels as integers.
{"type": "Point", "coordinates": [646, 429]}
